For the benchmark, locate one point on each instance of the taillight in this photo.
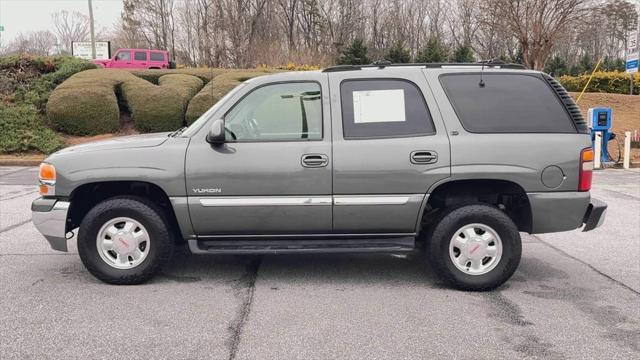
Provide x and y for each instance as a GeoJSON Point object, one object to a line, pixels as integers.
{"type": "Point", "coordinates": [586, 169]}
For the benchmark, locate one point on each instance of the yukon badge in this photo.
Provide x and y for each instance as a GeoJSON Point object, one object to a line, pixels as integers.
{"type": "Point", "coordinates": [207, 191]}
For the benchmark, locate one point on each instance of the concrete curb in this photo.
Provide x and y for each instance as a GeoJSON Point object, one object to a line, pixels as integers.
{"type": "Point", "coordinates": [15, 160]}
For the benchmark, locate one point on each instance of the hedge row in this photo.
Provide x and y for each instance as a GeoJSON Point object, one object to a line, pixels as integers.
{"type": "Point", "coordinates": [604, 82]}
{"type": "Point", "coordinates": [89, 103]}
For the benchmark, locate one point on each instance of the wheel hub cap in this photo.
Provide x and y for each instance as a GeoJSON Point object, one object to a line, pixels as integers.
{"type": "Point", "coordinates": [123, 243]}
{"type": "Point", "coordinates": [475, 249]}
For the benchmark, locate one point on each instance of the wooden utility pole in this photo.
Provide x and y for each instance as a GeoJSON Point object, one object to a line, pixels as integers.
{"type": "Point", "coordinates": [93, 35]}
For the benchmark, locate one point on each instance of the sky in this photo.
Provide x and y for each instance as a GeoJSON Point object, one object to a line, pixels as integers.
{"type": "Point", "coordinates": [31, 15]}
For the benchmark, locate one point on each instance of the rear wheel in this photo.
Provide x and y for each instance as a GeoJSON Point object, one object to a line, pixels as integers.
{"type": "Point", "coordinates": [124, 240]}
{"type": "Point", "coordinates": [475, 247]}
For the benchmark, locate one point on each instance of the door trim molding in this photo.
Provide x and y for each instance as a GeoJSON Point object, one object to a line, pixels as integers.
{"type": "Point", "coordinates": [265, 201]}
{"type": "Point", "coordinates": [338, 200]}
{"type": "Point", "coordinates": [374, 199]}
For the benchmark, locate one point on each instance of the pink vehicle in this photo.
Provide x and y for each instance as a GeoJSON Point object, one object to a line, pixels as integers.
{"type": "Point", "coordinates": [137, 59]}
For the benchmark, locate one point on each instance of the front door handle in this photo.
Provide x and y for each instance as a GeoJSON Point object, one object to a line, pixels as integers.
{"type": "Point", "coordinates": [315, 160]}
{"type": "Point", "coordinates": [424, 157]}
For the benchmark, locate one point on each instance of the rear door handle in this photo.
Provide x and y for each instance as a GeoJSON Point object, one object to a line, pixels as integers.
{"type": "Point", "coordinates": [315, 160]}
{"type": "Point", "coordinates": [424, 157]}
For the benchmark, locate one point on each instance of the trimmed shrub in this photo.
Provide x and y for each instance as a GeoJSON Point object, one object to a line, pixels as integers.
{"type": "Point", "coordinates": [215, 90]}
{"type": "Point", "coordinates": [605, 82]}
{"type": "Point", "coordinates": [153, 75]}
{"type": "Point", "coordinates": [160, 108]}
{"type": "Point", "coordinates": [86, 104]}
{"type": "Point", "coordinates": [22, 129]}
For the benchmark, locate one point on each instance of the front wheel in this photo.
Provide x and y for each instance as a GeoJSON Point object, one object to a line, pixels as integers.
{"type": "Point", "coordinates": [124, 240]}
{"type": "Point", "coordinates": [475, 247]}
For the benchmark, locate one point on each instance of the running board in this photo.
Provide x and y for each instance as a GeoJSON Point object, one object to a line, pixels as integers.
{"type": "Point", "coordinates": [395, 244]}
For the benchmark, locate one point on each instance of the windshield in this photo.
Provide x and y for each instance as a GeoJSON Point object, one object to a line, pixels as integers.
{"type": "Point", "coordinates": [193, 128]}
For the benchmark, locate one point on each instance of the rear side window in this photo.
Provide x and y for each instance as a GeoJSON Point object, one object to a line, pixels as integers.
{"type": "Point", "coordinates": [383, 108]}
{"type": "Point", "coordinates": [508, 103]}
{"type": "Point", "coordinates": [156, 56]}
{"type": "Point", "coordinates": [140, 55]}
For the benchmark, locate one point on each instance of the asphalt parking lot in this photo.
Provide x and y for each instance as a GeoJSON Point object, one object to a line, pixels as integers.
{"type": "Point", "coordinates": [575, 295]}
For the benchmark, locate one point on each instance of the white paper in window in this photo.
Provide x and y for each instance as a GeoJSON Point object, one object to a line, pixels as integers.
{"type": "Point", "coordinates": [374, 106]}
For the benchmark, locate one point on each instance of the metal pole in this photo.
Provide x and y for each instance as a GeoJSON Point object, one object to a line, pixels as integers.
{"type": "Point", "coordinates": [597, 151]}
{"type": "Point", "coordinates": [93, 35]}
{"type": "Point", "coordinates": [627, 149]}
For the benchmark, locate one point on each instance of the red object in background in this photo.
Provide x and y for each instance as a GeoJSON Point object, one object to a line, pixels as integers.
{"type": "Point", "coordinates": [137, 59]}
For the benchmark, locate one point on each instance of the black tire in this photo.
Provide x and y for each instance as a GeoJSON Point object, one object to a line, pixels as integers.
{"type": "Point", "coordinates": [147, 214]}
{"type": "Point", "coordinates": [442, 232]}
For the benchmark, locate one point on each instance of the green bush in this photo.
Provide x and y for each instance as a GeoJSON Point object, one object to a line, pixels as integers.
{"type": "Point", "coordinates": [160, 108]}
{"type": "Point", "coordinates": [605, 82]}
{"type": "Point", "coordinates": [153, 75]}
{"type": "Point", "coordinates": [215, 90]}
{"type": "Point", "coordinates": [89, 102]}
{"type": "Point", "coordinates": [22, 129]}
{"type": "Point", "coordinates": [86, 104]}
{"type": "Point", "coordinates": [34, 78]}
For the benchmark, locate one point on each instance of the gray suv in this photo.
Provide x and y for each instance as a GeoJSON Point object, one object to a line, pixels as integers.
{"type": "Point", "coordinates": [454, 159]}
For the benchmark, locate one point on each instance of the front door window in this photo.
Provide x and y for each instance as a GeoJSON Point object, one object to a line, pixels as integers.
{"type": "Point", "coordinates": [278, 112]}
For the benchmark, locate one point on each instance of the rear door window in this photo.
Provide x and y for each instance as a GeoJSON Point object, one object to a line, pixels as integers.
{"type": "Point", "coordinates": [383, 108]}
{"type": "Point", "coordinates": [156, 56]}
{"type": "Point", "coordinates": [140, 55]}
{"type": "Point", "coordinates": [507, 103]}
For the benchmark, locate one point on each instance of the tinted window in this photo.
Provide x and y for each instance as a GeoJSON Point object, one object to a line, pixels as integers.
{"type": "Point", "coordinates": [383, 108]}
{"type": "Point", "coordinates": [508, 103]}
{"type": "Point", "coordinates": [291, 111]}
{"type": "Point", "coordinates": [139, 55]}
{"type": "Point", "coordinates": [156, 56]}
{"type": "Point", "coordinates": [124, 56]}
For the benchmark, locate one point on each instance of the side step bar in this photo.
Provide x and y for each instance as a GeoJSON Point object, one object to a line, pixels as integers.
{"type": "Point", "coordinates": [396, 244]}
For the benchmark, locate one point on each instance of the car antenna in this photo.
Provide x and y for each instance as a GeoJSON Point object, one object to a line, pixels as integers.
{"type": "Point", "coordinates": [481, 84]}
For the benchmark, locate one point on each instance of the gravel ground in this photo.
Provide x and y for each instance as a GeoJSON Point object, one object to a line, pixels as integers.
{"type": "Point", "coordinates": [575, 295]}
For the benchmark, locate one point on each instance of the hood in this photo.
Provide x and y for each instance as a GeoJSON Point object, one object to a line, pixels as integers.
{"type": "Point", "coordinates": [124, 142]}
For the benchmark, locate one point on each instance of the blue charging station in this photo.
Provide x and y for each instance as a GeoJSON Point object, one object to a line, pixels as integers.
{"type": "Point", "coordinates": [601, 120]}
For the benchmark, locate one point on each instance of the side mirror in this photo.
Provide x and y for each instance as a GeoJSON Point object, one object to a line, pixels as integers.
{"type": "Point", "coordinates": [216, 133]}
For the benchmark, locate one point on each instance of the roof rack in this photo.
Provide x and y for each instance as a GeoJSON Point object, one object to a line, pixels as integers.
{"type": "Point", "coordinates": [381, 64]}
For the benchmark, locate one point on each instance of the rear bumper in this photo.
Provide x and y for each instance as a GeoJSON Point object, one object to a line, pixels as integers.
{"type": "Point", "coordinates": [594, 217]}
{"type": "Point", "coordinates": [564, 211]}
{"type": "Point", "coordinates": [50, 218]}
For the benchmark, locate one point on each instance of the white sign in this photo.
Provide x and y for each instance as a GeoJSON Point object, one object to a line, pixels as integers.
{"type": "Point", "coordinates": [376, 106]}
{"type": "Point", "coordinates": [631, 63]}
{"type": "Point", "coordinates": [82, 49]}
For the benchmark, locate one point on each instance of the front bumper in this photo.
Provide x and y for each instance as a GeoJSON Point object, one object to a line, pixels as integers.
{"type": "Point", "coordinates": [595, 214]}
{"type": "Point", "coordinates": [50, 218]}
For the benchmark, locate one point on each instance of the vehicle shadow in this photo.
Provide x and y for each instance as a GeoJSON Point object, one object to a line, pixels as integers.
{"type": "Point", "coordinates": [388, 269]}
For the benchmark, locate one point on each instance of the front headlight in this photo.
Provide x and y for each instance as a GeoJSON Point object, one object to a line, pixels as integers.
{"type": "Point", "coordinates": [47, 177]}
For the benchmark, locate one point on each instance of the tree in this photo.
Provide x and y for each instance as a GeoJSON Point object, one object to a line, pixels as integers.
{"type": "Point", "coordinates": [70, 27]}
{"type": "Point", "coordinates": [536, 24]}
{"type": "Point", "coordinates": [463, 54]}
{"type": "Point", "coordinates": [398, 53]}
{"type": "Point", "coordinates": [433, 52]}
{"type": "Point", "coordinates": [41, 43]}
{"type": "Point", "coordinates": [611, 64]}
{"type": "Point", "coordinates": [354, 54]}
{"type": "Point", "coordinates": [557, 66]}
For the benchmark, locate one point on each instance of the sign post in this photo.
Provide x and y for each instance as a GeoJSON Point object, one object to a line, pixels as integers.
{"type": "Point", "coordinates": [631, 63]}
